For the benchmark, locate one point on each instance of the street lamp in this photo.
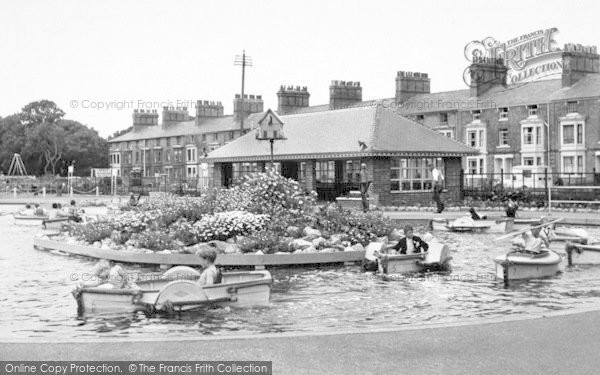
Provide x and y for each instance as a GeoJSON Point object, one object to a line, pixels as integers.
{"type": "Point", "coordinates": [548, 183]}
{"type": "Point", "coordinates": [270, 128]}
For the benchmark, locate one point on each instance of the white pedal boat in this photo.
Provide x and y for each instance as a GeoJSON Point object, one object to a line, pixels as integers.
{"type": "Point", "coordinates": [436, 258]}
{"type": "Point", "coordinates": [520, 265]}
{"type": "Point", "coordinates": [466, 224]}
{"type": "Point", "coordinates": [582, 253]}
{"type": "Point", "coordinates": [178, 290]}
{"type": "Point", "coordinates": [29, 220]}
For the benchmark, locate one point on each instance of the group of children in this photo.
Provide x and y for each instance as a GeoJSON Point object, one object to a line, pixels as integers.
{"type": "Point", "coordinates": [73, 213]}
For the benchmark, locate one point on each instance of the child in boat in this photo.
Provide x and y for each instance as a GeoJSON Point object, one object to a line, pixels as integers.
{"type": "Point", "coordinates": [511, 208]}
{"type": "Point", "coordinates": [39, 211]}
{"type": "Point", "coordinates": [210, 274]}
{"type": "Point", "coordinates": [533, 241]}
{"type": "Point", "coordinates": [475, 215]}
{"type": "Point", "coordinates": [74, 213]}
{"type": "Point", "coordinates": [411, 244]}
{"type": "Point", "coordinates": [108, 275]}
{"type": "Point", "coordinates": [28, 211]}
{"type": "Point", "coordinates": [370, 262]}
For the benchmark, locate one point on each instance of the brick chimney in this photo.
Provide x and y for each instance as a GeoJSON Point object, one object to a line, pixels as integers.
{"type": "Point", "coordinates": [343, 94]}
{"type": "Point", "coordinates": [252, 104]}
{"type": "Point", "coordinates": [409, 84]}
{"type": "Point", "coordinates": [207, 109]}
{"type": "Point", "coordinates": [143, 118]}
{"type": "Point", "coordinates": [486, 72]}
{"type": "Point", "coordinates": [578, 61]}
{"type": "Point", "coordinates": [172, 115]}
{"type": "Point", "coordinates": [291, 99]}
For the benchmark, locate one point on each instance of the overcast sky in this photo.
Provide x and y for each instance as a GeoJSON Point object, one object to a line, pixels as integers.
{"type": "Point", "coordinates": [80, 53]}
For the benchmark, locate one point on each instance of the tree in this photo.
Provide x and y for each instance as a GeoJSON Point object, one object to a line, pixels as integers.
{"type": "Point", "coordinates": [41, 112]}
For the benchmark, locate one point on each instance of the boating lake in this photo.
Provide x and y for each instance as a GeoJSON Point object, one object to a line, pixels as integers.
{"type": "Point", "coordinates": [36, 302]}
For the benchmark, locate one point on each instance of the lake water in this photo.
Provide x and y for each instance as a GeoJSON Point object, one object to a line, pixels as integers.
{"type": "Point", "coordinates": [36, 301]}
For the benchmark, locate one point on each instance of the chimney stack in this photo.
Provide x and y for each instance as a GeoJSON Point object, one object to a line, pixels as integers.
{"type": "Point", "coordinates": [143, 118]}
{"type": "Point", "coordinates": [173, 115]}
{"type": "Point", "coordinates": [486, 73]}
{"type": "Point", "coordinates": [290, 99]}
{"type": "Point", "coordinates": [343, 94]}
{"type": "Point", "coordinates": [252, 104]}
{"type": "Point", "coordinates": [409, 84]}
{"type": "Point", "coordinates": [578, 61]}
{"type": "Point", "coordinates": [208, 109]}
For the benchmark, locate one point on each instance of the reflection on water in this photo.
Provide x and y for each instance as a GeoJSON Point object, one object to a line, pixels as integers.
{"type": "Point", "coordinates": [36, 301]}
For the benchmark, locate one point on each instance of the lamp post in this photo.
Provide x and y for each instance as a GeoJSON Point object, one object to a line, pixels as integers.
{"type": "Point", "coordinates": [548, 183]}
{"type": "Point", "coordinates": [270, 128]}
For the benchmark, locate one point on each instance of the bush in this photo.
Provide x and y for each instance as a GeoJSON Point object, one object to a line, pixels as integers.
{"type": "Point", "coordinates": [155, 240]}
{"type": "Point", "coordinates": [224, 225]}
{"type": "Point", "coordinates": [184, 231]}
{"type": "Point", "coordinates": [91, 232]}
{"type": "Point", "coordinates": [360, 227]}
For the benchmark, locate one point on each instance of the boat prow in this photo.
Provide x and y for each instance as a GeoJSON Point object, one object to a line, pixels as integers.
{"type": "Point", "coordinates": [29, 220]}
{"type": "Point", "coordinates": [520, 265]}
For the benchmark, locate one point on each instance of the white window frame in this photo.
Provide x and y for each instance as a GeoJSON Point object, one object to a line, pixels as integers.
{"type": "Point", "coordinates": [532, 110]}
{"type": "Point", "coordinates": [503, 142]}
{"type": "Point", "coordinates": [503, 114]}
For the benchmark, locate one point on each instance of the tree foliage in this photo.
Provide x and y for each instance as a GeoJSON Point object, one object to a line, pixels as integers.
{"type": "Point", "coordinates": [48, 144]}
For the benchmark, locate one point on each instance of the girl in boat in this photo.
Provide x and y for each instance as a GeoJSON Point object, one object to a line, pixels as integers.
{"type": "Point", "coordinates": [108, 275]}
{"type": "Point", "coordinates": [210, 274]}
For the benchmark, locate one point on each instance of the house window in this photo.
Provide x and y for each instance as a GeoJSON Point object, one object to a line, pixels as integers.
{"type": "Point", "coordinates": [532, 110]}
{"type": "Point", "coordinates": [168, 156]}
{"type": "Point", "coordinates": [191, 171]}
{"type": "Point", "coordinates": [503, 114]}
{"type": "Point", "coordinates": [325, 171]}
{"type": "Point", "coordinates": [412, 174]}
{"type": "Point", "coordinates": [538, 161]}
{"type": "Point", "coordinates": [573, 134]}
{"type": "Point", "coordinates": [475, 166]}
{"type": "Point", "coordinates": [476, 115]}
{"type": "Point", "coordinates": [444, 118]}
{"type": "Point", "coordinates": [168, 141]}
{"type": "Point", "coordinates": [157, 142]}
{"type": "Point", "coordinates": [528, 135]}
{"type": "Point", "coordinates": [476, 138]}
{"type": "Point", "coordinates": [568, 164]}
{"type": "Point", "coordinates": [538, 135]}
{"type": "Point", "coordinates": [572, 107]}
{"type": "Point", "coordinates": [177, 156]}
{"type": "Point", "coordinates": [503, 137]}
{"type": "Point", "coordinates": [203, 137]}
{"type": "Point", "coordinates": [191, 155]}
{"type": "Point", "coordinates": [157, 156]}
{"type": "Point", "coordinates": [528, 161]}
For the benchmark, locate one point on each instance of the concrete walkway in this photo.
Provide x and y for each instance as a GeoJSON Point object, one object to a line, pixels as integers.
{"type": "Point", "coordinates": [556, 344]}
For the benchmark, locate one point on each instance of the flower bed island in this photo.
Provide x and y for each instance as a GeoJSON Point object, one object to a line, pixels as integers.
{"type": "Point", "coordinates": [265, 220]}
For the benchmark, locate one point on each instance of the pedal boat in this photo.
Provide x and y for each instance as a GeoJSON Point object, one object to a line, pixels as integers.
{"type": "Point", "coordinates": [437, 258]}
{"type": "Point", "coordinates": [522, 265]}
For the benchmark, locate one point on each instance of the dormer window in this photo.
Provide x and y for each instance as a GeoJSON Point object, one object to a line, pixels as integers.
{"type": "Point", "coordinates": [476, 115]}
{"type": "Point", "coordinates": [532, 110]}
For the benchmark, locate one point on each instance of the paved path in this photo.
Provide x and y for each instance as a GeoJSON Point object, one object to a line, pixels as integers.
{"type": "Point", "coordinates": [559, 344]}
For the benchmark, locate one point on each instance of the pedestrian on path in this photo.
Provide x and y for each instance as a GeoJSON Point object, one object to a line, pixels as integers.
{"type": "Point", "coordinates": [437, 183]}
{"type": "Point", "coordinates": [365, 182]}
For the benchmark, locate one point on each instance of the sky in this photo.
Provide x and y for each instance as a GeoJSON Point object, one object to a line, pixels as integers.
{"type": "Point", "coordinates": [100, 60]}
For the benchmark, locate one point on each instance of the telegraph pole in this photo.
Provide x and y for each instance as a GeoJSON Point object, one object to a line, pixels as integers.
{"type": "Point", "coordinates": [243, 61]}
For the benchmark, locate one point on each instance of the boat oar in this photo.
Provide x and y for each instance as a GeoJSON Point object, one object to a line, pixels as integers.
{"type": "Point", "coordinates": [512, 234]}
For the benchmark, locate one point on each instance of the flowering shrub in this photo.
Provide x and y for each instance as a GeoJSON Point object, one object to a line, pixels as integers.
{"type": "Point", "coordinates": [224, 225]}
{"type": "Point", "coordinates": [266, 241]}
{"type": "Point", "coordinates": [360, 227]}
{"type": "Point", "coordinates": [91, 232]}
{"type": "Point", "coordinates": [267, 193]}
{"type": "Point", "coordinates": [184, 231]}
{"type": "Point", "coordinates": [154, 240]}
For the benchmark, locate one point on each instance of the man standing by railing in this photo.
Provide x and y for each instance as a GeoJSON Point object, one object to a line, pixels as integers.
{"type": "Point", "coordinates": [365, 182]}
{"type": "Point", "coordinates": [437, 183]}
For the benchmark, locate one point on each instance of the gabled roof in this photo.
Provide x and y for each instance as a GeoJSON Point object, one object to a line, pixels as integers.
{"type": "Point", "coordinates": [336, 133]}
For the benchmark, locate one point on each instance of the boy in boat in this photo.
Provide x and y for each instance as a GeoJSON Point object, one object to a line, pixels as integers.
{"type": "Point", "coordinates": [74, 213]}
{"type": "Point", "coordinates": [534, 241]}
{"type": "Point", "coordinates": [511, 208]}
{"type": "Point", "coordinates": [370, 262]}
{"type": "Point", "coordinates": [210, 274]}
{"type": "Point", "coordinates": [39, 211]}
{"type": "Point", "coordinates": [475, 215]}
{"type": "Point", "coordinates": [411, 244]}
